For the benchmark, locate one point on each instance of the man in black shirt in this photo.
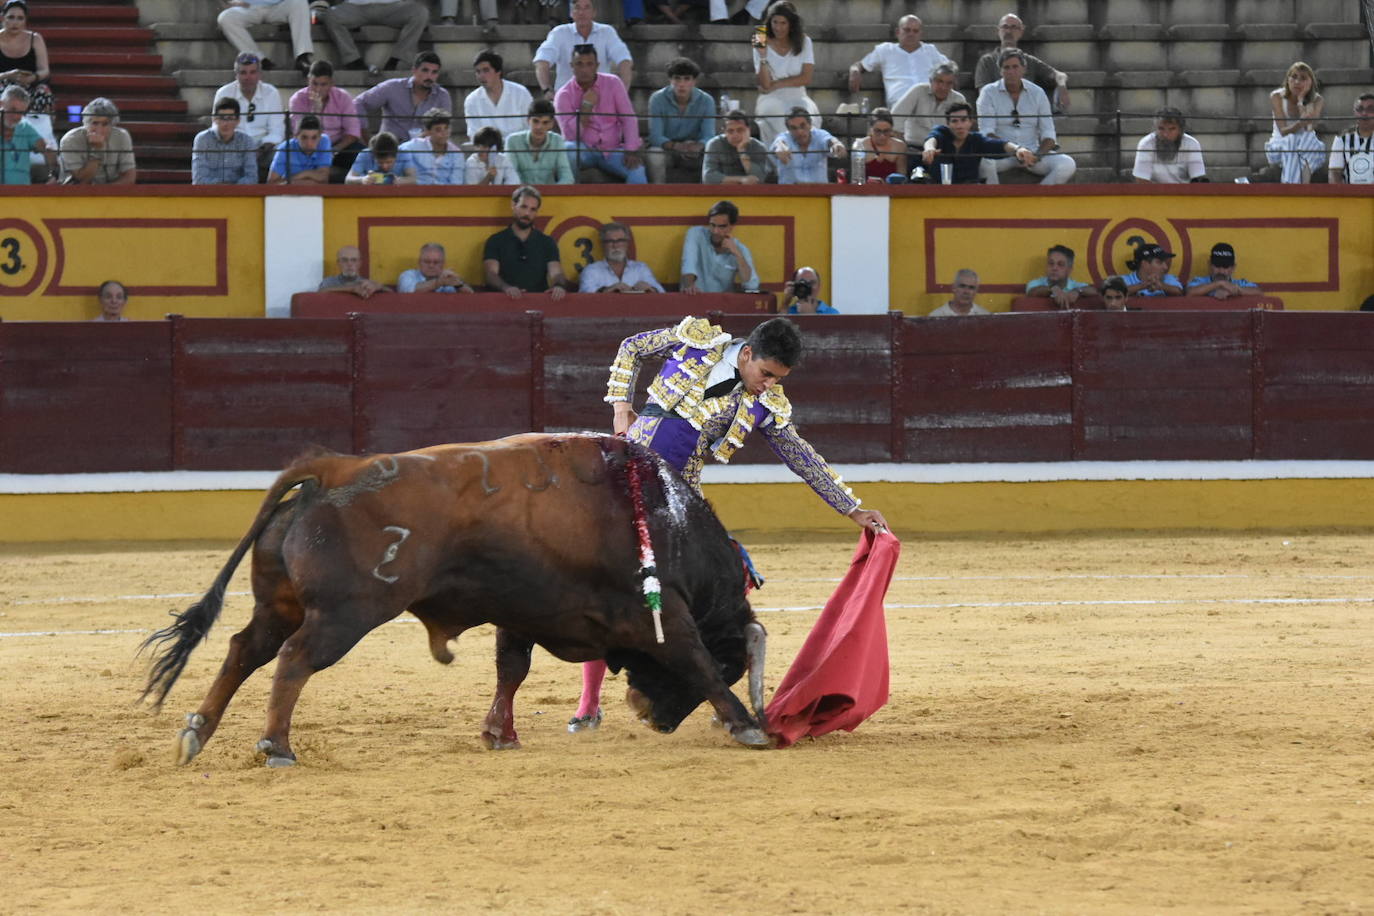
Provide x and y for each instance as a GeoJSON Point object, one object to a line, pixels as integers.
{"type": "Point", "coordinates": [970, 154]}
{"type": "Point", "coordinates": [520, 259]}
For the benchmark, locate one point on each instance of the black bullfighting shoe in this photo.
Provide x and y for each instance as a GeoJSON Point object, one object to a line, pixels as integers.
{"type": "Point", "coordinates": [584, 723]}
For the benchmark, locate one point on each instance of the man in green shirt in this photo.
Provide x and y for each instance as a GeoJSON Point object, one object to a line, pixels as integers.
{"type": "Point", "coordinates": [520, 259]}
{"type": "Point", "coordinates": [539, 155]}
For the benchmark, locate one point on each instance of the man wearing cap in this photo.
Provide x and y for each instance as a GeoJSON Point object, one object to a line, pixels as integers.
{"type": "Point", "coordinates": [1223, 283]}
{"type": "Point", "coordinates": [1150, 275]}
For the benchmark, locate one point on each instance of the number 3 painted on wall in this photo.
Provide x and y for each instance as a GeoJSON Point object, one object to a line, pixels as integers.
{"type": "Point", "coordinates": [585, 246]}
{"type": "Point", "coordinates": [12, 263]}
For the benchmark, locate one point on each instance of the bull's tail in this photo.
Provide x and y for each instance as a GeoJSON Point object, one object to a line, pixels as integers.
{"type": "Point", "coordinates": [175, 643]}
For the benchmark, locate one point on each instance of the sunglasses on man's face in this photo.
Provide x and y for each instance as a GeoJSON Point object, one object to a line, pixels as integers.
{"type": "Point", "coordinates": [251, 108]}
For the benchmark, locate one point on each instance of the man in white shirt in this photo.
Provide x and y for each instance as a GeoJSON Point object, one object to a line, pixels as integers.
{"type": "Point", "coordinates": [407, 16]}
{"type": "Point", "coordinates": [553, 60]}
{"type": "Point", "coordinates": [924, 105]}
{"type": "Point", "coordinates": [965, 290]}
{"type": "Point", "coordinates": [1018, 111]}
{"type": "Point", "coordinates": [496, 102]}
{"type": "Point", "coordinates": [1167, 155]}
{"type": "Point", "coordinates": [617, 273]}
{"type": "Point", "coordinates": [1352, 153]}
{"type": "Point", "coordinates": [262, 115]}
{"type": "Point", "coordinates": [904, 63]}
{"type": "Point", "coordinates": [239, 15]}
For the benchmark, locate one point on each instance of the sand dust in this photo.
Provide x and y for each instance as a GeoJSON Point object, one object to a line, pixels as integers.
{"type": "Point", "coordinates": [1077, 725]}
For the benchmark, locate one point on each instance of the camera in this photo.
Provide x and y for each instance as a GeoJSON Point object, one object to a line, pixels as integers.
{"type": "Point", "coordinates": [801, 289]}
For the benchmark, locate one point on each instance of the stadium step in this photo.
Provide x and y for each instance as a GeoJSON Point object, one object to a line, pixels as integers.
{"type": "Point", "coordinates": [83, 13]}
{"type": "Point", "coordinates": [103, 62]}
{"type": "Point", "coordinates": [107, 37]}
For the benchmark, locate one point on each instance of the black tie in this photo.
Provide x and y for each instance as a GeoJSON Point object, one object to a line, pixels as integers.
{"type": "Point", "coordinates": [723, 388]}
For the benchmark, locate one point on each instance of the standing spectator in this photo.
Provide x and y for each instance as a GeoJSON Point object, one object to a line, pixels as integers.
{"type": "Point", "coordinates": [961, 303]}
{"type": "Point", "coordinates": [98, 152]}
{"type": "Point", "coordinates": [1054, 82]}
{"type": "Point", "coordinates": [520, 259]}
{"type": "Point", "coordinates": [597, 118]}
{"type": "Point", "coordinates": [380, 163]}
{"type": "Point", "coordinates": [304, 159]}
{"type": "Point", "coordinates": [923, 107]}
{"type": "Point", "coordinates": [432, 275]}
{"type": "Point", "coordinates": [539, 155]}
{"type": "Point", "coordinates": [1149, 274]}
{"type": "Point", "coordinates": [408, 17]}
{"type": "Point", "coordinates": [496, 102]}
{"type": "Point", "coordinates": [18, 139]}
{"type": "Point", "coordinates": [735, 157]}
{"type": "Point", "coordinates": [1057, 284]}
{"type": "Point", "coordinates": [223, 154]}
{"type": "Point", "coordinates": [404, 100]}
{"type": "Point", "coordinates": [616, 272]}
{"type": "Point", "coordinates": [783, 66]}
{"type": "Point", "coordinates": [969, 154]}
{"type": "Point", "coordinates": [557, 50]}
{"type": "Point", "coordinates": [433, 156]}
{"type": "Point", "coordinates": [905, 63]}
{"type": "Point", "coordinates": [239, 15]}
{"type": "Point", "coordinates": [260, 106]}
{"type": "Point", "coordinates": [713, 260]}
{"type": "Point", "coordinates": [802, 154]}
{"type": "Point", "coordinates": [348, 279]}
{"type": "Point", "coordinates": [1294, 146]}
{"type": "Point", "coordinates": [24, 63]}
{"type": "Point", "coordinates": [1019, 111]}
{"type": "Point", "coordinates": [488, 165]}
{"type": "Point", "coordinates": [884, 153]}
{"type": "Point", "coordinates": [338, 119]}
{"type": "Point", "coordinates": [682, 120]}
{"type": "Point", "coordinates": [1352, 159]}
{"type": "Point", "coordinates": [114, 298]}
{"type": "Point", "coordinates": [802, 294]}
{"type": "Point", "coordinates": [1168, 155]}
{"type": "Point", "coordinates": [1222, 282]}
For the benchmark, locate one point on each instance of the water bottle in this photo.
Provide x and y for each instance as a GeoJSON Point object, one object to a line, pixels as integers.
{"type": "Point", "coordinates": [863, 106]}
{"type": "Point", "coordinates": [726, 104]}
{"type": "Point", "coordinates": [858, 172]}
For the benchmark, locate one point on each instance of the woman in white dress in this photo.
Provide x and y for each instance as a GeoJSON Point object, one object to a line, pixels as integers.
{"type": "Point", "coordinates": [783, 66]}
{"type": "Point", "coordinates": [1298, 106]}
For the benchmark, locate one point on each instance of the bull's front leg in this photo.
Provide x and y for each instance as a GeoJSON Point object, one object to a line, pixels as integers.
{"type": "Point", "coordinates": [512, 664]}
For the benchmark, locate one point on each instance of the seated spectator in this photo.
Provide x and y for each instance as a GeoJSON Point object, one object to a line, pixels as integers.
{"type": "Point", "coordinates": [113, 300]}
{"type": "Point", "coordinates": [380, 163]}
{"type": "Point", "coordinates": [538, 154]}
{"type": "Point", "coordinates": [304, 159]}
{"type": "Point", "coordinates": [240, 15]}
{"type": "Point", "coordinates": [520, 259]}
{"type": "Point", "coordinates": [784, 63]}
{"type": "Point", "coordinates": [553, 60]}
{"type": "Point", "coordinates": [923, 107]}
{"type": "Point", "coordinates": [334, 107]}
{"type": "Point", "coordinates": [432, 156]}
{"type": "Point", "coordinates": [1149, 274]}
{"type": "Point", "coordinates": [496, 102]}
{"type": "Point", "coordinates": [261, 116]}
{"type": "Point", "coordinates": [98, 152]}
{"type": "Point", "coordinates": [1352, 154]}
{"type": "Point", "coordinates": [1294, 146]}
{"type": "Point", "coordinates": [1168, 155]}
{"type": "Point", "coordinates": [1114, 294]}
{"type": "Point", "coordinates": [24, 63]}
{"type": "Point", "coordinates": [432, 276]}
{"type": "Point", "coordinates": [961, 303]}
{"type": "Point", "coordinates": [616, 272]}
{"type": "Point", "coordinates": [713, 260]}
{"type": "Point", "coordinates": [348, 279]}
{"type": "Point", "coordinates": [749, 13]}
{"type": "Point", "coordinates": [682, 120]}
{"type": "Point", "coordinates": [802, 294]}
{"type": "Point", "coordinates": [488, 165]}
{"type": "Point", "coordinates": [802, 154]}
{"type": "Point", "coordinates": [884, 154]}
{"type": "Point", "coordinates": [905, 63]}
{"type": "Point", "coordinates": [1019, 111]}
{"type": "Point", "coordinates": [735, 157]}
{"type": "Point", "coordinates": [448, 13]}
{"type": "Point", "coordinates": [19, 139]}
{"type": "Point", "coordinates": [223, 154]}
{"type": "Point", "coordinates": [1057, 284]}
{"type": "Point", "coordinates": [1222, 282]}
{"type": "Point", "coordinates": [408, 17]}
{"type": "Point", "coordinates": [1054, 82]}
{"type": "Point", "coordinates": [598, 120]}
{"type": "Point", "coordinates": [404, 100]}
{"type": "Point", "coordinates": [968, 153]}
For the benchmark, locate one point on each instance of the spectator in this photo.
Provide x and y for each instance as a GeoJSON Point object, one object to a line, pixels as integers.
{"type": "Point", "coordinates": [1367, 305]}
{"type": "Point", "coordinates": [923, 107]}
{"type": "Point", "coordinates": [1352, 159]}
{"type": "Point", "coordinates": [334, 107]}
{"type": "Point", "coordinates": [784, 62]}
{"type": "Point", "coordinates": [448, 12]}
{"type": "Point", "coordinates": [538, 154]}
{"type": "Point", "coordinates": [1294, 146]}
{"type": "Point", "coordinates": [223, 154]}
{"type": "Point", "coordinates": [967, 152]}
{"type": "Point", "coordinates": [496, 102]}
{"type": "Point", "coordinates": [348, 279]}
{"type": "Point", "coordinates": [616, 273]}
{"type": "Point", "coordinates": [1222, 283]}
{"type": "Point", "coordinates": [735, 157]}
{"type": "Point", "coordinates": [432, 156]}
{"type": "Point", "coordinates": [1057, 284]}
{"type": "Point", "coordinates": [682, 120]}
{"type": "Point", "coordinates": [1168, 155]}
{"type": "Point", "coordinates": [1054, 82]}
{"type": "Point", "coordinates": [19, 139]}
{"type": "Point", "coordinates": [114, 297]}
{"type": "Point", "coordinates": [520, 259]}
{"type": "Point", "coordinates": [1019, 111]}
{"type": "Point", "coordinates": [557, 50]}
{"type": "Point", "coordinates": [802, 294]}
{"type": "Point", "coordinates": [99, 151]}
{"type": "Point", "coordinates": [404, 100]}
{"type": "Point", "coordinates": [488, 165]}
{"type": "Point", "coordinates": [1149, 274]}
{"type": "Point", "coordinates": [408, 17]}
{"type": "Point", "coordinates": [713, 260]}
{"type": "Point", "coordinates": [239, 15]}
{"type": "Point", "coordinates": [802, 154]}
{"type": "Point", "coordinates": [750, 12]}
{"type": "Point", "coordinates": [884, 154]}
{"type": "Point", "coordinates": [24, 63]}
{"type": "Point", "coordinates": [380, 163]}
{"type": "Point", "coordinates": [905, 63]}
{"type": "Point", "coordinates": [432, 276]}
{"type": "Point", "coordinates": [304, 159]}
{"type": "Point", "coordinates": [598, 119]}
{"type": "Point", "coordinates": [260, 108]}
{"type": "Point", "coordinates": [1114, 294]}
{"type": "Point", "coordinates": [965, 291]}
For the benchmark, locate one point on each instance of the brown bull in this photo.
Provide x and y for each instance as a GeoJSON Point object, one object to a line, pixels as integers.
{"type": "Point", "coordinates": [533, 533]}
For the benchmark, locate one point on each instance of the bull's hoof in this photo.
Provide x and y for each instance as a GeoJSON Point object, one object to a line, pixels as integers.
{"type": "Point", "coordinates": [275, 756]}
{"type": "Point", "coordinates": [497, 743]}
{"type": "Point", "coordinates": [752, 737]}
{"type": "Point", "coordinates": [585, 723]}
{"type": "Point", "coordinates": [188, 739]}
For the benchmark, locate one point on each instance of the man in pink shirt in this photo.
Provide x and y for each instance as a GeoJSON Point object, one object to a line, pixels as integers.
{"type": "Point", "coordinates": [598, 121]}
{"type": "Point", "coordinates": [338, 119]}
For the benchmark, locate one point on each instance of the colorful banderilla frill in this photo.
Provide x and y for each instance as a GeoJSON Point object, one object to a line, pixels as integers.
{"type": "Point", "coordinates": [648, 573]}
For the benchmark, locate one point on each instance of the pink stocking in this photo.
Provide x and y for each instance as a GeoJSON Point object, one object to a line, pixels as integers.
{"type": "Point", "coordinates": [592, 675]}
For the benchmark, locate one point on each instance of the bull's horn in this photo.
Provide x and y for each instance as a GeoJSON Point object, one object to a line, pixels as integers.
{"type": "Point", "coordinates": [756, 643]}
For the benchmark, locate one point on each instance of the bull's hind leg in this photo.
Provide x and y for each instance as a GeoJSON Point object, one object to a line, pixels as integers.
{"type": "Point", "coordinates": [512, 664]}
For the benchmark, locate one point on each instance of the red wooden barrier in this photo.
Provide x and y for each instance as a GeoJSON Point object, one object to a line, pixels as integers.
{"type": "Point", "coordinates": [338, 305]}
{"type": "Point", "coordinates": [1158, 304]}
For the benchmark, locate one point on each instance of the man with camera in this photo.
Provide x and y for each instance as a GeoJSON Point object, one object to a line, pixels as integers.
{"type": "Point", "coordinates": [802, 294]}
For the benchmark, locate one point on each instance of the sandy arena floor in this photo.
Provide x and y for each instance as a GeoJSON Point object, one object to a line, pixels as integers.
{"type": "Point", "coordinates": [1077, 725]}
